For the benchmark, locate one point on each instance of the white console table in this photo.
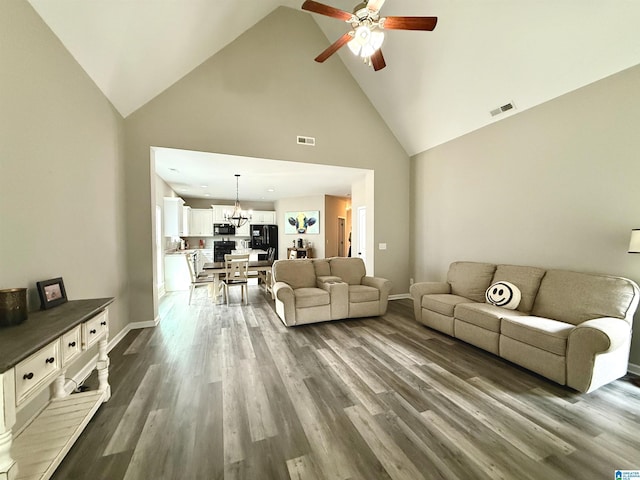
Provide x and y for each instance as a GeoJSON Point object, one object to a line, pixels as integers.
{"type": "Point", "coordinates": [35, 356]}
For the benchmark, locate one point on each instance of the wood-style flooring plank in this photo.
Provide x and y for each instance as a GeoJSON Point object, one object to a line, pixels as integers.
{"type": "Point", "coordinates": [217, 392]}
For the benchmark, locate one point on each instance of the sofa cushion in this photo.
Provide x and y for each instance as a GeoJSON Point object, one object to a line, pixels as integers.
{"type": "Point", "coordinates": [543, 333]}
{"type": "Point", "coordinates": [483, 315]}
{"type": "Point", "coordinates": [363, 293]}
{"type": "Point", "coordinates": [311, 297]}
{"type": "Point", "coordinates": [527, 279]}
{"type": "Point", "coordinates": [442, 303]}
{"type": "Point", "coordinates": [350, 270]}
{"type": "Point", "coordinates": [470, 279]}
{"type": "Point", "coordinates": [296, 273]}
{"type": "Point", "coordinates": [322, 267]}
{"type": "Point", "coordinates": [574, 297]}
{"type": "Point", "coordinates": [503, 294]}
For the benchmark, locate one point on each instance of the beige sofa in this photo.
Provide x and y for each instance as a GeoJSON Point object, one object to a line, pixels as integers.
{"type": "Point", "coordinates": [316, 290]}
{"type": "Point", "coordinates": [573, 328]}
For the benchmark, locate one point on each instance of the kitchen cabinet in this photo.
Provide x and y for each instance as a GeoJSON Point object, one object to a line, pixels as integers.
{"type": "Point", "coordinates": [176, 271]}
{"type": "Point", "coordinates": [186, 221]}
{"type": "Point", "coordinates": [201, 224]}
{"type": "Point", "coordinates": [219, 211]}
{"type": "Point", "coordinates": [173, 214]}
{"type": "Point", "coordinates": [264, 217]}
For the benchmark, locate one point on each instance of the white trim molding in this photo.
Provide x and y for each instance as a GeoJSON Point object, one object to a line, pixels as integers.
{"type": "Point", "coordinates": [633, 368]}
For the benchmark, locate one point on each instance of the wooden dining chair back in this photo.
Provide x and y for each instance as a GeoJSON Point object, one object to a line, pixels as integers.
{"type": "Point", "coordinates": [202, 280]}
{"type": "Point", "coordinates": [236, 267]}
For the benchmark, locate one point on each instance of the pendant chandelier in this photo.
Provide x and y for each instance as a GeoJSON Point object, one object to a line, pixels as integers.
{"type": "Point", "coordinates": [238, 217]}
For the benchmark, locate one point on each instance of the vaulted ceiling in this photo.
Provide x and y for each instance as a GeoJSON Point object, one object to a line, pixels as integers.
{"type": "Point", "coordinates": [437, 85]}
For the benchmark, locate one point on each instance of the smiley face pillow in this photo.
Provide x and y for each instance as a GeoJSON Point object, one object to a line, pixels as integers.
{"type": "Point", "coordinates": [503, 294]}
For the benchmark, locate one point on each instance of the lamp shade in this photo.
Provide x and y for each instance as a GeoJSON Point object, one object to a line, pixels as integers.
{"type": "Point", "coordinates": [634, 243]}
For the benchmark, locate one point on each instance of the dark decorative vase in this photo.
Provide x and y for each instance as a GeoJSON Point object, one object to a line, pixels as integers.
{"type": "Point", "coordinates": [13, 306]}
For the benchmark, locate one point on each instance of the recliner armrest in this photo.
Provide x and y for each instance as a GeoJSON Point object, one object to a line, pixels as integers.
{"type": "Point", "coordinates": [420, 289]}
{"type": "Point", "coordinates": [338, 295]}
{"type": "Point", "coordinates": [588, 341]}
{"type": "Point", "coordinates": [326, 279]}
{"type": "Point", "coordinates": [283, 291]}
{"type": "Point", "coordinates": [384, 286]}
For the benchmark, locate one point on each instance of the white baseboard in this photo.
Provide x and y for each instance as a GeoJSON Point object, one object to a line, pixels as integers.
{"type": "Point", "coordinates": [399, 296]}
{"type": "Point", "coordinates": [633, 368]}
{"type": "Point", "coordinates": [131, 326]}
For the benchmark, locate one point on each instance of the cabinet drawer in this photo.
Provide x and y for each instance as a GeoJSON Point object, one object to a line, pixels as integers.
{"type": "Point", "coordinates": [36, 371]}
{"type": "Point", "coordinates": [71, 345]}
{"type": "Point", "coordinates": [95, 329]}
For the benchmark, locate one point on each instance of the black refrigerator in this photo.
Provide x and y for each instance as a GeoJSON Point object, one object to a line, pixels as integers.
{"type": "Point", "coordinates": [264, 236]}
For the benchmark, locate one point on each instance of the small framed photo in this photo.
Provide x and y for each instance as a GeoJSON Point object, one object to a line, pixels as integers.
{"type": "Point", "coordinates": [51, 292]}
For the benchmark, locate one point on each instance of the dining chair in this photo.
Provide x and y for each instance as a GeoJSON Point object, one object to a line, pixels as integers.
{"type": "Point", "coordinates": [236, 268]}
{"type": "Point", "coordinates": [197, 280]}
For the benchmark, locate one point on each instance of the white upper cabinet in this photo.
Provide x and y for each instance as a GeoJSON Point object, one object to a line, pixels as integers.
{"type": "Point", "coordinates": [173, 216]}
{"type": "Point", "coordinates": [264, 217]}
{"type": "Point", "coordinates": [186, 221]}
{"type": "Point", "coordinates": [218, 212]}
{"type": "Point", "coordinates": [201, 222]}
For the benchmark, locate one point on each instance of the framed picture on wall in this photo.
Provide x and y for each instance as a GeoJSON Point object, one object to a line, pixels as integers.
{"type": "Point", "coordinates": [302, 222]}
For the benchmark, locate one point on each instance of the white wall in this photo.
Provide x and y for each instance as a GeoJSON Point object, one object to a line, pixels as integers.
{"type": "Point", "coordinates": [252, 98]}
{"type": "Point", "coordinates": [297, 204]}
{"type": "Point", "coordinates": [62, 207]}
{"type": "Point", "coordinates": [555, 186]}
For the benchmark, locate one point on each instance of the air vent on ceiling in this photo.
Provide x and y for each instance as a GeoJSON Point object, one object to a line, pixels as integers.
{"type": "Point", "coordinates": [311, 141]}
{"type": "Point", "coordinates": [502, 109]}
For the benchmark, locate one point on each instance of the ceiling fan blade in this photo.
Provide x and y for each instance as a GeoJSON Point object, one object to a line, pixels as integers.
{"type": "Point", "coordinates": [409, 23]}
{"type": "Point", "coordinates": [334, 47]}
{"type": "Point", "coordinates": [377, 60]}
{"type": "Point", "coordinates": [323, 9]}
{"type": "Point", "coordinates": [375, 5]}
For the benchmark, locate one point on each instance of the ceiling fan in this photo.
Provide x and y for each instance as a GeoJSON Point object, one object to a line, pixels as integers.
{"type": "Point", "coordinates": [367, 35]}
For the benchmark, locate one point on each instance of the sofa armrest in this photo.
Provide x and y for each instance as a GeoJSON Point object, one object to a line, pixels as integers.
{"type": "Point", "coordinates": [384, 286]}
{"type": "Point", "coordinates": [597, 352]}
{"type": "Point", "coordinates": [285, 302]}
{"type": "Point", "coordinates": [338, 296]}
{"type": "Point", "coordinates": [326, 279]}
{"type": "Point", "coordinates": [420, 289]}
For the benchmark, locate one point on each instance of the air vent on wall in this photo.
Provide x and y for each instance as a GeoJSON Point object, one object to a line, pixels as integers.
{"type": "Point", "coordinates": [311, 141]}
{"type": "Point", "coordinates": [502, 109]}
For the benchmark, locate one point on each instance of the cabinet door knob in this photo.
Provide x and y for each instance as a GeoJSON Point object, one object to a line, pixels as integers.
{"type": "Point", "coordinates": [50, 360]}
{"type": "Point", "coordinates": [93, 331]}
{"type": "Point", "coordinates": [72, 344]}
{"type": "Point", "coordinates": [103, 323]}
{"type": "Point", "coordinates": [27, 376]}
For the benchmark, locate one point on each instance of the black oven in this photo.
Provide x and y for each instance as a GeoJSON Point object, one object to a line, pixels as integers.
{"type": "Point", "coordinates": [220, 248]}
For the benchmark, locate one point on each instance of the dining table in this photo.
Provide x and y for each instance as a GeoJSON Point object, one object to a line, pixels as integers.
{"type": "Point", "coordinates": [260, 269]}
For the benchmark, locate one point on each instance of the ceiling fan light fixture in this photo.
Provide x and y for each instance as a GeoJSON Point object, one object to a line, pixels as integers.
{"type": "Point", "coordinates": [366, 41]}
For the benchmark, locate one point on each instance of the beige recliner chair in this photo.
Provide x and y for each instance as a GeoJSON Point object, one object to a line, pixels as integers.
{"type": "Point", "coordinates": [317, 290]}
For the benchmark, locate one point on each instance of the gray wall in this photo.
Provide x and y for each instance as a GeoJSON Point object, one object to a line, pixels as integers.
{"type": "Point", "coordinates": [253, 98]}
{"type": "Point", "coordinates": [61, 169]}
{"type": "Point", "coordinates": [554, 186]}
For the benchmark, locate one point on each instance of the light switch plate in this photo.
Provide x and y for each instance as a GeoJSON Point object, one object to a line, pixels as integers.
{"type": "Point", "coordinates": [382, 246]}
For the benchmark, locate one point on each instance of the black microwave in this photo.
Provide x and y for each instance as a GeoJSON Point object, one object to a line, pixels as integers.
{"type": "Point", "coordinates": [223, 229]}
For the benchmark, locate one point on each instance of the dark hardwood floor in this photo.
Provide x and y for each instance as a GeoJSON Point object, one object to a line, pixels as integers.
{"type": "Point", "coordinates": [229, 392]}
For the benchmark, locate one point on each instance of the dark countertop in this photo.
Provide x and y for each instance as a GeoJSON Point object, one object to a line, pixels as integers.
{"type": "Point", "coordinates": [44, 326]}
